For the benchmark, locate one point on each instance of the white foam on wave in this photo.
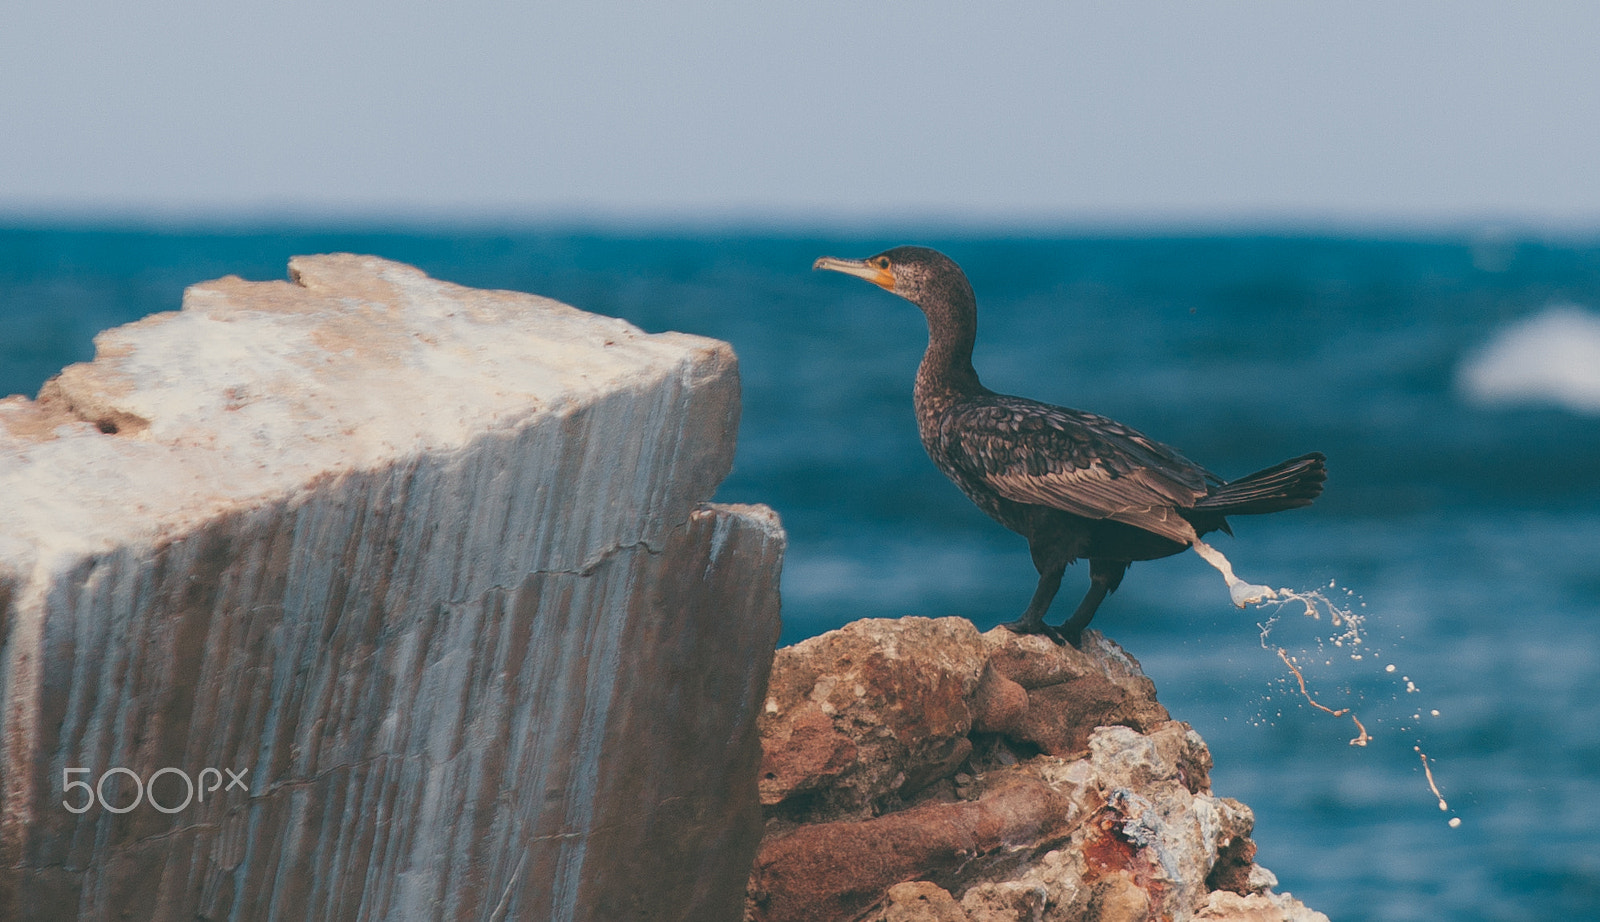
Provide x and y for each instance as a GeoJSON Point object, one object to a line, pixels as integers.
{"type": "Point", "coordinates": [1551, 357]}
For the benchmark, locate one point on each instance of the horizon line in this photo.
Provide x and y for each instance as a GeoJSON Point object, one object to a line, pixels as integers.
{"type": "Point", "coordinates": [791, 223]}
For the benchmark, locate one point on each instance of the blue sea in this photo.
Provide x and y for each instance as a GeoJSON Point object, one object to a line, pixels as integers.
{"type": "Point", "coordinates": [1451, 381]}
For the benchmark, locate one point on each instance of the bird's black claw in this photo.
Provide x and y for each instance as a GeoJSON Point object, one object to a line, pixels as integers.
{"type": "Point", "coordinates": [1024, 626]}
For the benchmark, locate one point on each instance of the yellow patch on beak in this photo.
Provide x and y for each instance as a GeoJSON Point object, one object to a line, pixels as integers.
{"type": "Point", "coordinates": [860, 268]}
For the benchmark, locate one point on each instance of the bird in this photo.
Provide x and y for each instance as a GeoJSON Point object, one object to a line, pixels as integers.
{"type": "Point", "coordinates": [1077, 485]}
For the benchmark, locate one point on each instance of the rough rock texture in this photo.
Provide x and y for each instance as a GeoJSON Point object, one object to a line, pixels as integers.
{"type": "Point", "coordinates": [915, 770]}
{"type": "Point", "coordinates": [428, 567]}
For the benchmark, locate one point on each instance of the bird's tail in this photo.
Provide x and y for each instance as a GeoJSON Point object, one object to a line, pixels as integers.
{"type": "Point", "coordinates": [1288, 485]}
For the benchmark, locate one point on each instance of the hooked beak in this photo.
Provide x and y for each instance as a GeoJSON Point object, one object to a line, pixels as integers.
{"type": "Point", "coordinates": [860, 268]}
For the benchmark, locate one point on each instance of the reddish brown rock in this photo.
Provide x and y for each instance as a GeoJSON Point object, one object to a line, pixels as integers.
{"type": "Point", "coordinates": [1006, 901]}
{"type": "Point", "coordinates": [1118, 898]}
{"type": "Point", "coordinates": [1000, 704]}
{"type": "Point", "coordinates": [860, 714]}
{"type": "Point", "coordinates": [919, 901]}
{"type": "Point", "coordinates": [1066, 693]}
{"type": "Point", "coordinates": [830, 871]}
{"type": "Point", "coordinates": [1232, 871]}
{"type": "Point", "coordinates": [916, 771]}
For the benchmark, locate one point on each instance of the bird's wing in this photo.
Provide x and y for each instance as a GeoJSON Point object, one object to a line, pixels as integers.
{"type": "Point", "coordinates": [1077, 462]}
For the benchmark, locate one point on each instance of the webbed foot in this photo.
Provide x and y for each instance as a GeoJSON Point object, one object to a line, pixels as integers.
{"type": "Point", "coordinates": [1027, 626]}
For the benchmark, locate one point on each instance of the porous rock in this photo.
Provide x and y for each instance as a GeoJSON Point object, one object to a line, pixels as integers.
{"type": "Point", "coordinates": [1225, 906]}
{"type": "Point", "coordinates": [869, 711]}
{"type": "Point", "coordinates": [919, 901]}
{"type": "Point", "coordinates": [1065, 693]}
{"type": "Point", "coordinates": [1077, 797]}
{"type": "Point", "coordinates": [429, 567]}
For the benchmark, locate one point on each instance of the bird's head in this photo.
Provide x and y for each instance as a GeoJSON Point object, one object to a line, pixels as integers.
{"type": "Point", "coordinates": [922, 276]}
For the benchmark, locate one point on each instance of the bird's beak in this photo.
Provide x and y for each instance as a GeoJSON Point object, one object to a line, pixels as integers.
{"type": "Point", "coordinates": [859, 268]}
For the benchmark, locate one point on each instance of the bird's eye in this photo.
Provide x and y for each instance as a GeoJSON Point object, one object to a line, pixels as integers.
{"type": "Point", "coordinates": [882, 262]}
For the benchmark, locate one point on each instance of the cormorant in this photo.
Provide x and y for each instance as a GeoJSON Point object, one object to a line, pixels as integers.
{"type": "Point", "coordinates": [1075, 484]}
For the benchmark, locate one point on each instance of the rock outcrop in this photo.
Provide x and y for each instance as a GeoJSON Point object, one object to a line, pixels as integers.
{"type": "Point", "coordinates": [425, 574]}
{"type": "Point", "coordinates": [918, 771]}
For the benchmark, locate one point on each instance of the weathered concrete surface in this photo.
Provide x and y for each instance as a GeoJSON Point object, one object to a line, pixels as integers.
{"type": "Point", "coordinates": [915, 770]}
{"type": "Point", "coordinates": [428, 566]}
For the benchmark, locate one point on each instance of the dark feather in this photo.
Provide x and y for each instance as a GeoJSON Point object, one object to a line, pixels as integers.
{"type": "Point", "coordinates": [1286, 485]}
{"type": "Point", "coordinates": [1088, 465]}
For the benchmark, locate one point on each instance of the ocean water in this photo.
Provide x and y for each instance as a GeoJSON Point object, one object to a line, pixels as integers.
{"type": "Point", "coordinates": [1451, 382]}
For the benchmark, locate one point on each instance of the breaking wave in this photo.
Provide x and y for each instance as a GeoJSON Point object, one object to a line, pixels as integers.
{"type": "Point", "coordinates": [1552, 357]}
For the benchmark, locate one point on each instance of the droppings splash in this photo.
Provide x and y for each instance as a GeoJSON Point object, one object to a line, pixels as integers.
{"type": "Point", "coordinates": [1349, 644]}
{"type": "Point", "coordinates": [1241, 592]}
{"type": "Point", "coordinates": [1362, 737]}
{"type": "Point", "coordinates": [1429, 772]}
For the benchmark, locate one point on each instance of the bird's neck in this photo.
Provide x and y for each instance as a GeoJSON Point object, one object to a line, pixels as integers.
{"type": "Point", "coordinates": [947, 365]}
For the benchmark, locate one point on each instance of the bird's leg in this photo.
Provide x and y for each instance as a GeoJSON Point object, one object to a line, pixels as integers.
{"type": "Point", "coordinates": [1073, 629]}
{"type": "Point", "coordinates": [1104, 578]}
{"type": "Point", "coordinates": [1032, 620]}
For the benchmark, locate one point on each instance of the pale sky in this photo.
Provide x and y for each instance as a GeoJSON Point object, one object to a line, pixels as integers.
{"type": "Point", "coordinates": [1269, 112]}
